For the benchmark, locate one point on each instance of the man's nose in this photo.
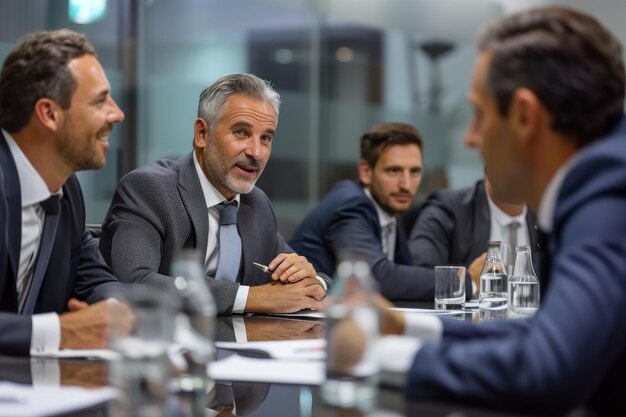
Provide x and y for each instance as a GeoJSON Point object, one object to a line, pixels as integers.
{"type": "Point", "coordinates": [471, 137]}
{"type": "Point", "coordinates": [116, 115]}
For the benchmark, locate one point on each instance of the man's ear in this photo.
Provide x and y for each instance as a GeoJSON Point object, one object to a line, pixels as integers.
{"type": "Point", "coordinates": [527, 115]}
{"type": "Point", "coordinates": [365, 172]}
{"type": "Point", "coordinates": [49, 113]}
{"type": "Point", "coordinates": [200, 133]}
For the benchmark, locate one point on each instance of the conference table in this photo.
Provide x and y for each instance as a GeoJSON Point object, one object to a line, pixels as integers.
{"type": "Point", "coordinates": [259, 399]}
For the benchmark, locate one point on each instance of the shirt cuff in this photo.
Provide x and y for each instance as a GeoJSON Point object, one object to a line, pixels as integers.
{"type": "Point", "coordinates": [45, 372]}
{"type": "Point", "coordinates": [46, 333]}
{"type": "Point", "coordinates": [474, 288]}
{"type": "Point", "coordinates": [322, 281]}
{"type": "Point", "coordinates": [395, 356]}
{"type": "Point", "coordinates": [423, 326]}
{"type": "Point", "coordinates": [241, 299]}
{"type": "Point", "coordinates": [239, 327]}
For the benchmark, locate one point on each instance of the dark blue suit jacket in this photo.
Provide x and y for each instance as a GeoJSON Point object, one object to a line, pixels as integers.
{"type": "Point", "coordinates": [76, 268]}
{"type": "Point", "coordinates": [573, 352]}
{"type": "Point", "coordinates": [345, 219]}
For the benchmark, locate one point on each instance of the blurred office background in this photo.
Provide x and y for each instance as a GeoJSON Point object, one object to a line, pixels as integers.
{"type": "Point", "coordinates": [339, 65]}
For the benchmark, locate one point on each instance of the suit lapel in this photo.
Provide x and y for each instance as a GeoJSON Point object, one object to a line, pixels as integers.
{"type": "Point", "coordinates": [46, 244]}
{"type": "Point", "coordinates": [193, 198]}
{"type": "Point", "coordinates": [14, 206]}
{"type": "Point", "coordinates": [249, 239]}
{"type": "Point", "coordinates": [402, 255]}
{"type": "Point", "coordinates": [531, 223]}
{"type": "Point", "coordinates": [482, 222]}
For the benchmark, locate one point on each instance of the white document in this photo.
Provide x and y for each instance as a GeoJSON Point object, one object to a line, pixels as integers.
{"type": "Point", "coordinates": [307, 314]}
{"type": "Point", "coordinates": [426, 311]}
{"type": "Point", "coordinates": [298, 350]}
{"type": "Point", "coordinates": [18, 400]}
{"type": "Point", "coordinates": [322, 315]}
{"type": "Point", "coordinates": [105, 354]}
{"type": "Point", "coordinates": [239, 368]}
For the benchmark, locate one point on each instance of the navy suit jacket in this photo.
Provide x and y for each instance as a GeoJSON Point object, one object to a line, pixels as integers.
{"type": "Point", "coordinates": [346, 220]}
{"type": "Point", "coordinates": [75, 269]}
{"type": "Point", "coordinates": [453, 228]}
{"type": "Point", "coordinates": [573, 351]}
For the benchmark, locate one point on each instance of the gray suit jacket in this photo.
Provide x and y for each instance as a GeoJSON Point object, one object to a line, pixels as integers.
{"type": "Point", "coordinates": [159, 209]}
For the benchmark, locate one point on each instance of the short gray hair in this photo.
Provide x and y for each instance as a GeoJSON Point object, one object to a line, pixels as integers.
{"type": "Point", "coordinates": [214, 97]}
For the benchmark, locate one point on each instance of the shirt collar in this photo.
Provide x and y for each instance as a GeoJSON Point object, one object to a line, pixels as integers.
{"type": "Point", "coordinates": [212, 196]}
{"type": "Point", "coordinates": [383, 217]}
{"type": "Point", "coordinates": [33, 188]}
{"type": "Point", "coordinates": [547, 204]}
{"type": "Point", "coordinates": [502, 218]}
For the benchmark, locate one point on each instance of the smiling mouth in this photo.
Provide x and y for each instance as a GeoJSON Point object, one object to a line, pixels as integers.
{"type": "Point", "coordinates": [104, 134]}
{"type": "Point", "coordinates": [248, 169]}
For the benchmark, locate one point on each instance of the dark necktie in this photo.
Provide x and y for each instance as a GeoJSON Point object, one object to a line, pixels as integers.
{"type": "Point", "coordinates": [51, 207]}
{"type": "Point", "coordinates": [230, 243]}
{"type": "Point", "coordinates": [544, 261]}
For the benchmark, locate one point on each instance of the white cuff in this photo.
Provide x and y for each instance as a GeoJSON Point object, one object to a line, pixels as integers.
{"type": "Point", "coordinates": [395, 356]}
{"type": "Point", "coordinates": [46, 333]}
{"type": "Point", "coordinates": [474, 288]}
{"type": "Point", "coordinates": [423, 326]}
{"type": "Point", "coordinates": [239, 327]}
{"type": "Point", "coordinates": [241, 299]}
{"type": "Point", "coordinates": [45, 372]}
{"type": "Point", "coordinates": [320, 279]}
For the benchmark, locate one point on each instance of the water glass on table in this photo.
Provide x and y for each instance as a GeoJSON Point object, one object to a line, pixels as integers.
{"type": "Point", "coordinates": [449, 287]}
{"type": "Point", "coordinates": [142, 374]}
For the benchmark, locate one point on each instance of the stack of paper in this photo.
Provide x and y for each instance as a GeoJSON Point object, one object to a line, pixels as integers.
{"type": "Point", "coordinates": [18, 400]}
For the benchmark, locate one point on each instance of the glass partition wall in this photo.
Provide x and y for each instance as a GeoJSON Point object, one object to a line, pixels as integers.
{"type": "Point", "coordinates": [339, 65]}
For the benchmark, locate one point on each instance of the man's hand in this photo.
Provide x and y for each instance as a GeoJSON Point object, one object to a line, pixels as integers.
{"type": "Point", "coordinates": [84, 374]}
{"type": "Point", "coordinates": [277, 297]}
{"type": "Point", "coordinates": [391, 322]}
{"type": "Point", "coordinates": [291, 267]}
{"type": "Point", "coordinates": [474, 269]}
{"type": "Point", "coordinates": [88, 326]}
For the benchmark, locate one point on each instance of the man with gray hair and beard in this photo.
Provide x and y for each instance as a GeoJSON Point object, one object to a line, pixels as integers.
{"type": "Point", "coordinates": [208, 201]}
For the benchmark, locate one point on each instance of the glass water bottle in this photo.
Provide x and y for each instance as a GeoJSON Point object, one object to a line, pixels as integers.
{"type": "Point", "coordinates": [523, 285]}
{"type": "Point", "coordinates": [493, 280]}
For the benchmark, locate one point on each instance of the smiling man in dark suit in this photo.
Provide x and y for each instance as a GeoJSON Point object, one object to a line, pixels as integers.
{"type": "Point", "coordinates": [56, 114]}
{"type": "Point", "coordinates": [163, 207]}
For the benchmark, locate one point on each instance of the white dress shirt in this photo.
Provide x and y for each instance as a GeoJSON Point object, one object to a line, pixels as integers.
{"type": "Point", "coordinates": [388, 227]}
{"type": "Point", "coordinates": [46, 328]}
{"type": "Point", "coordinates": [500, 222]}
{"type": "Point", "coordinates": [212, 198]}
{"type": "Point", "coordinates": [547, 204]}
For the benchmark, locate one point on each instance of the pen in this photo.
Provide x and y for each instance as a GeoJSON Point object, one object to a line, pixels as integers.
{"type": "Point", "coordinates": [262, 267]}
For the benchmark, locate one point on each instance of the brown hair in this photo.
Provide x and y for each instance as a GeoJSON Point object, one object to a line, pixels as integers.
{"type": "Point", "coordinates": [568, 59]}
{"type": "Point", "coordinates": [381, 136]}
{"type": "Point", "coordinates": [37, 68]}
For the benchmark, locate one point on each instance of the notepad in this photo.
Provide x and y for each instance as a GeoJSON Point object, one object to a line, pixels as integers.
{"type": "Point", "coordinates": [17, 400]}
